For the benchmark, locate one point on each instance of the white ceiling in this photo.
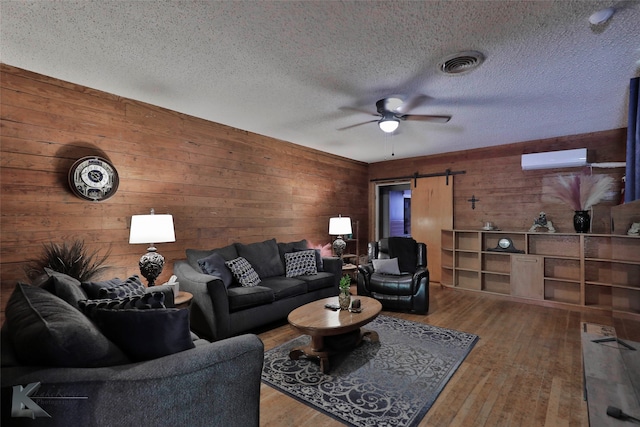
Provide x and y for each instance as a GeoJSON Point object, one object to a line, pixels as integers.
{"type": "Point", "coordinates": [293, 69]}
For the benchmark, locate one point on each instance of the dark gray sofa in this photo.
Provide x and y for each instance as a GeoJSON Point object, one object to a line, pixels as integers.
{"type": "Point", "coordinates": [221, 308]}
{"type": "Point", "coordinates": [49, 344]}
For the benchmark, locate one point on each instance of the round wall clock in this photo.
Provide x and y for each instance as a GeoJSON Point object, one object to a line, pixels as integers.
{"type": "Point", "coordinates": [93, 178]}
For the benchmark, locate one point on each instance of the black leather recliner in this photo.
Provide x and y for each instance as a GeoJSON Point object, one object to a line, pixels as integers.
{"type": "Point", "coordinates": [408, 291]}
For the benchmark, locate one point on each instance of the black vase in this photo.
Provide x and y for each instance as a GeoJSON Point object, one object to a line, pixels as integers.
{"type": "Point", "coordinates": [582, 221]}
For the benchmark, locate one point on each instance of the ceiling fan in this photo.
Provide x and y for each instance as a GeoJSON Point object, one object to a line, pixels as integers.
{"type": "Point", "coordinates": [392, 110]}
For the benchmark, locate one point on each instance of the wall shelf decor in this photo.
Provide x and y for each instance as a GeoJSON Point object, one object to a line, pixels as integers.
{"type": "Point", "coordinates": [592, 271]}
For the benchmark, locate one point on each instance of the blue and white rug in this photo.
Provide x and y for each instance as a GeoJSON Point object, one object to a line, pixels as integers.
{"type": "Point", "coordinates": [390, 383]}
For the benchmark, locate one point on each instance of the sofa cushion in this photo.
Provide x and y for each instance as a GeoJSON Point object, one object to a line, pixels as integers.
{"type": "Point", "coordinates": [263, 256]}
{"type": "Point", "coordinates": [285, 248]}
{"type": "Point", "coordinates": [130, 287]}
{"type": "Point", "coordinates": [386, 266]}
{"type": "Point", "coordinates": [214, 265]}
{"type": "Point", "coordinates": [243, 297]}
{"type": "Point", "coordinates": [47, 331]}
{"type": "Point", "coordinates": [285, 287]}
{"type": "Point", "coordinates": [92, 289]}
{"type": "Point", "coordinates": [63, 286]}
{"type": "Point", "coordinates": [300, 263]}
{"type": "Point", "coordinates": [243, 272]}
{"type": "Point", "coordinates": [320, 280]}
{"type": "Point", "coordinates": [406, 250]}
{"type": "Point", "coordinates": [193, 255]}
{"type": "Point", "coordinates": [385, 284]}
{"type": "Point", "coordinates": [146, 334]}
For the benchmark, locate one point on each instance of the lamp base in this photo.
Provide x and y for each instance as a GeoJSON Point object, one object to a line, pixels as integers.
{"type": "Point", "coordinates": [151, 265]}
{"type": "Point", "coordinates": [338, 246]}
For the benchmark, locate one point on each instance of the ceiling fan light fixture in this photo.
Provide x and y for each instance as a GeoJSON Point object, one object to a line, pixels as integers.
{"type": "Point", "coordinates": [388, 123]}
{"type": "Point", "coordinates": [601, 16]}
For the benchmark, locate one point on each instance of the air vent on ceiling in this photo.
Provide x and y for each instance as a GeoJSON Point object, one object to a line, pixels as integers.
{"type": "Point", "coordinates": [461, 62]}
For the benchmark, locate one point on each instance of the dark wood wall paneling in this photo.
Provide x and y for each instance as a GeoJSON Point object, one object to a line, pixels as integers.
{"type": "Point", "coordinates": [221, 184]}
{"type": "Point", "coordinates": [508, 196]}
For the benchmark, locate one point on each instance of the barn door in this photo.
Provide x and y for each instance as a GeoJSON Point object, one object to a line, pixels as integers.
{"type": "Point", "coordinates": [431, 211]}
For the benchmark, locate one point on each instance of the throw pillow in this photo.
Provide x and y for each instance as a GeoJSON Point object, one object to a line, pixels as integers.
{"type": "Point", "coordinates": [214, 265]}
{"type": "Point", "coordinates": [141, 302]}
{"type": "Point", "coordinates": [92, 289]}
{"type": "Point", "coordinates": [300, 263]}
{"type": "Point", "coordinates": [64, 286]}
{"type": "Point", "coordinates": [47, 331]}
{"type": "Point", "coordinates": [319, 263]}
{"type": "Point", "coordinates": [263, 256]}
{"type": "Point", "coordinates": [146, 334]}
{"type": "Point", "coordinates": [386, 266]}
{"type": "Point", "coordinates": [243, 272]}
{"type": "Point", "coordinates": [131, 286]}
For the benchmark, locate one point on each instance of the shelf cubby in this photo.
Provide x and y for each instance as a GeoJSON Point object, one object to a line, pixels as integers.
{"type": "Point", "coordinates": [552, 244]}
{"type": "Point", "coordinates": [467, 260]}
{"type": "Point", "coordinates": [496, 283]}
{"type": "Point", "coordinates": [496, 262]}
{"type": "Point", "coordinates": [562, 291]}
{"type": "Point", "coordinates": [562, 268]}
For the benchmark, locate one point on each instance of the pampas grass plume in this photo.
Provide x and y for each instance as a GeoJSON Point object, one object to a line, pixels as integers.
{"type": "Point", "coordinates": [582, 191]}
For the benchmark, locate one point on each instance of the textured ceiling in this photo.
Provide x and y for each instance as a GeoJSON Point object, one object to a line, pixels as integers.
{"type": "Point", "coordinates": [297, 71]}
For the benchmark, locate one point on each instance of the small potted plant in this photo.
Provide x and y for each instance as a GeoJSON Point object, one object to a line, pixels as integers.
{"type": "Point", "coordinates": [344, 297]}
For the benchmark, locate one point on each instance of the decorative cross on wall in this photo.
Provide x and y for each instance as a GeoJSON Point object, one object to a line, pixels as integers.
{"type": "Point", "coordinates": [473, 201]}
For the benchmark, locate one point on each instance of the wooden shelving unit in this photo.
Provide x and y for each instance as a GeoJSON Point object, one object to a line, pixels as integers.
{"type": "Point", "coordinates": [592, 271]}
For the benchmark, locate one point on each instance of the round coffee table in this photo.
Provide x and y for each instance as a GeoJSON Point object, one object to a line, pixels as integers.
{"type": "Point", "coordinates": [319, 322]}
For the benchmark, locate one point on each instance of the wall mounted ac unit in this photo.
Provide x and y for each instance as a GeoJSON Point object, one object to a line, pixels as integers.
{"type": "Point", "coordinates": [555, 159]}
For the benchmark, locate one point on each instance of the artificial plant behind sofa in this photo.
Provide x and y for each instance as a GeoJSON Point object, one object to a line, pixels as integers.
{"type": "Point", "coordinates": [275, 279]}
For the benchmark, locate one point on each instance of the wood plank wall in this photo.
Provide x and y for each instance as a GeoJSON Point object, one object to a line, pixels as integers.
{"type": "Point", "coordinates": [221, 184]}
{"type": "Point", "coordinates": [508, 196]}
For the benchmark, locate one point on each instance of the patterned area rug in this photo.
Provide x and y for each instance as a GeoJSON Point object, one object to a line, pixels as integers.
{"type": "Point", "coordinates": [390, 383]}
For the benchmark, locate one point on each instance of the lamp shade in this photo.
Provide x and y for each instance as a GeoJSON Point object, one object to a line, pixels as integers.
{"type": "Point", "coordinates": [339, 226]}
{"type": "Point", "coordinates": [150, 229]}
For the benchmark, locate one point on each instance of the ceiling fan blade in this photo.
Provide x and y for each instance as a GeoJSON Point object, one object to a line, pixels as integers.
{"type": "Point", "coordinates": [425, 118]}
{"type": "Point", "coordinates": [412, 103]}
{"type": "Point", "coordinates": [357, 124]}
{"type": "Point", "coordinates": [357, 110]}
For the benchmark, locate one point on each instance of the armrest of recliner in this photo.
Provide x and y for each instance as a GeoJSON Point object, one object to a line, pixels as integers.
{"type": "Point", "coordinates": [364, 275]}
{"type": "Point", "coordinates": [420, 284]}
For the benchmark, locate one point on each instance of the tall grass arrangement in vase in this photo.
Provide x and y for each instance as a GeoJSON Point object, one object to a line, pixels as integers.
{"type": "Point", "coordinates": [581, 192]}
{"type": "Point", "coordinates": [71, 258]}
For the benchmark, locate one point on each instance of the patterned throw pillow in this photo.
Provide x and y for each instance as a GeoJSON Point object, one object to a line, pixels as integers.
{"type": "Point", "coordinates": [132, 286]}
{"type": "Point", "coordinates": [243, 272]}
{"type": "Point", "coordinates": [300, 263]}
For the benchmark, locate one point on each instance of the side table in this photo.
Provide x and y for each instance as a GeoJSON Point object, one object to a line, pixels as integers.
{"type": "Point", "coordinates": [183, 299]}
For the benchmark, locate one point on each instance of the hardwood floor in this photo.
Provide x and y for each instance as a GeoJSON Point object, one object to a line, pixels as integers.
{"type": "Point", "coordinates": [526, 369]}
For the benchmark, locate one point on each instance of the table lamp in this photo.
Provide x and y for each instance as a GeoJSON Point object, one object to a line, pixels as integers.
{"type": "Point", "coordinates": [339, 226]}
{"type": "Point", "coordinates": [151, 229]}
